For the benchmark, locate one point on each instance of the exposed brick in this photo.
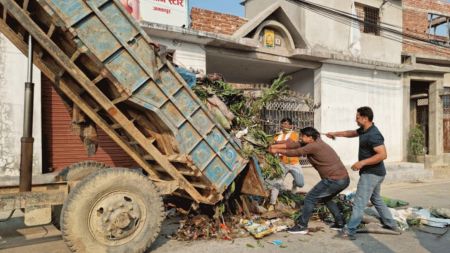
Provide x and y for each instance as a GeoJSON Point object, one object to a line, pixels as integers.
{"type": "Point", "coordinates": [210, 21]}
{"type": "Point", "coordinates": [415, 23]}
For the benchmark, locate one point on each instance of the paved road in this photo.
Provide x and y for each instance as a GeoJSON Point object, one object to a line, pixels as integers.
{"type": "Point", "coordinates": [15, 237]}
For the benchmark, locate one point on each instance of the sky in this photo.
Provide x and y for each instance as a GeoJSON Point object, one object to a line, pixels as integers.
{"type": "Point", "coordinates": [232, 7]}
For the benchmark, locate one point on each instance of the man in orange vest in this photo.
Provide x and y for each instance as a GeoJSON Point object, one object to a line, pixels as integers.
{"type": "Point", "coordinates": [288, 164]}
{"type": "Point", "coordinates": [132, 6]}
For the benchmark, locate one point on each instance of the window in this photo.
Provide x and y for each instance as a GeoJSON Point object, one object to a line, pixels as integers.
{"type": "Point", "coordinates": [370, 16]}
{"type": "Point", "coordinates": [439, 28]}
{"type": "Point", "coordinates": [446, 118]}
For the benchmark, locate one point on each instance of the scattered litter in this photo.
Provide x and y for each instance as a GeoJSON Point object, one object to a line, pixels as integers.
{"type": "Point", "coordinates": [428, 219]}
{"type": "Point", "coordinates": [443, 213]}
{"type": "Point", "coordinates": [257, 230]}
{"type": "Point", "coordinates": [259, 243]}
{"type": "Point", "coordinates": [394, 203]}
{"type": "Point", "coordinates": [261, 228]}
{"type": "Point", "coordinates": [250, 245]}
{"type": "Point", "coordinates": [277, 242]}
{"type": "Point", "coordinates": [241, 133]}
{"type": "Point", "coordinates": [413, 217]}
{"type": "Point", "coordinates": [400, 216]}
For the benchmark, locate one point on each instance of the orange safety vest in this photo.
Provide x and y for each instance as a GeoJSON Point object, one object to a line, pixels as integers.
{"type": "Point", "coordinates": [282, 137]}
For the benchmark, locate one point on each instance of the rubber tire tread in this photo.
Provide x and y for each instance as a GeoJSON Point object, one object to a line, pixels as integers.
{"type": "Point", "coordinates": [74, 172]}
{"type": "Point", "coordinates": [74, 216]}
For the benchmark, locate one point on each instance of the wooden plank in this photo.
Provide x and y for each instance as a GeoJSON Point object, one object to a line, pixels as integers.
{"type": "Point", "coordinates": [185, 172]}
{"type": "Point", "coordinates": [167, 187]}
{"type": "Point", "coordinates": [12, 201]}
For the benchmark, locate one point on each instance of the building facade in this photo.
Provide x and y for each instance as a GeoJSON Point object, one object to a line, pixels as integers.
{"type": "Point", "coordinates": [341, 63]}
{"type": "Point", "coordinates": [426, 59]}
{"type": "Point", "coordinates": [391, 55]}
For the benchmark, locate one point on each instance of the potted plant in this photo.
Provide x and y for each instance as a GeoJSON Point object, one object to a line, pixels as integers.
{"type": "Point", "coordinates": [416, 145]}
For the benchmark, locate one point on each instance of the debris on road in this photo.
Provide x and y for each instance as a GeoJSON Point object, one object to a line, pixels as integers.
{"type": "Point", "coordinates": [394, 203]}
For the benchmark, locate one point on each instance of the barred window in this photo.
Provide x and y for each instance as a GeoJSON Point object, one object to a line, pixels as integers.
{"type": "Point", "coordinates": [446, 102]}
{"type": "Point", "coordinates": [370, 16]}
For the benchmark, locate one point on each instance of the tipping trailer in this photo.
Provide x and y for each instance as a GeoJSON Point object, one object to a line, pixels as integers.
{"type": "Point", "coordinates": [102, 62]}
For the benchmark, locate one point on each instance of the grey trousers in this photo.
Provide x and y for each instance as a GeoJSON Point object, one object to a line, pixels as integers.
{"type": "Point", "coordinates": [299, 181]}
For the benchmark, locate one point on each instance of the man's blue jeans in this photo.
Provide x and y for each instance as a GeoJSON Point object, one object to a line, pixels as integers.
{"type": "Point", "coordinates": [369, 188]}
{"type": "Point", "coordinates": [324, 191]}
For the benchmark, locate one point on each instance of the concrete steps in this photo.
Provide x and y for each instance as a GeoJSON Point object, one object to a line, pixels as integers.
{"type": "Point", "coordinates": [399, 172]}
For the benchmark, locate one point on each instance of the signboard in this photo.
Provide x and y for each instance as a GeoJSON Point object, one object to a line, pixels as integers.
{"type": "Point", "coordinates": [167, 12]}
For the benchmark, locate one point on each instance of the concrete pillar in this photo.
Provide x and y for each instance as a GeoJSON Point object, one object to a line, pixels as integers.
{"type": "Point", "coordinates": [318, 99]}
{"type": "Point", "coordinates": [447, 80]}
{"type": "Point", "coordinates": [435, 119]}
{"type": "Point", "coordinates": [406, 114]}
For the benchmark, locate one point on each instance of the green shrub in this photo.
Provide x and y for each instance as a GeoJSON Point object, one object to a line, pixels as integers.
{"type": "Point", "coordinates": [416, 142]}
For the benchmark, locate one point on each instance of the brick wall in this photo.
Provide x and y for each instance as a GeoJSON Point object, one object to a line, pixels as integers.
{"type": "Point", "coordinates": [415, 22]}
{"type": "Point", "coordinates": [210, 21]}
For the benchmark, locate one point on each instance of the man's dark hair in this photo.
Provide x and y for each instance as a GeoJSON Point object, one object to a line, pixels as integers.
{"type": "Point", "coordinates": [289, 120]}
{"type": "Point", "coordinates": [366, 111]}
{"type": "Point", "coordinates": [310, 132]}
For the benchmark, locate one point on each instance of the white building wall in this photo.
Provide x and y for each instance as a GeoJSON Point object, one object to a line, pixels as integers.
{"type": "Point", "coordinates": [330, 34]}
{"type": "Point", "coordinates": [303, 82]}
{"type": "Point", "coordinates": [187, 55]}
{"type": "Point", "coordinates": [344, 89]}
{"type": "Point", "coordinates": [13, 74]}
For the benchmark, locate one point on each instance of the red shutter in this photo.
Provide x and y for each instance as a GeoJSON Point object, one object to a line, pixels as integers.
{"type": "Point", "coordinates": [61, 147]}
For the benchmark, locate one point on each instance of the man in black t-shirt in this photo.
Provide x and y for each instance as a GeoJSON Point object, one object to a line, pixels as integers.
{"type": "Point", "coordinates": [370, 165]}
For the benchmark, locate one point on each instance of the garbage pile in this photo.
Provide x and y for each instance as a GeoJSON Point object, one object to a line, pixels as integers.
{"type": "Point", "coordinates": [258, 222]}
{"type": "Point", "coordinates": [240, 116]}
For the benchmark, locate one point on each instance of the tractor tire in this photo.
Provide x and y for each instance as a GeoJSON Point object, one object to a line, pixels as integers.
{"type": "Point", "coordinates": [74, 172]}
{"type": "Point", "coordinates": [115, 210]}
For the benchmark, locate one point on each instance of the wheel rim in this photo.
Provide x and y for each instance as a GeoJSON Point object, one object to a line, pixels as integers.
{"type": "Point", "coordinates": [117, 218]}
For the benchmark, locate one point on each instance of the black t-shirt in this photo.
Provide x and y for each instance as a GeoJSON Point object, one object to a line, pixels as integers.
{"type": "Point", "coordinates": [368, 140]}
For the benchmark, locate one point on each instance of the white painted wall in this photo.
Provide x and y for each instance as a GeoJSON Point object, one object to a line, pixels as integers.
{"type": "Point", "coordinates": [13, 74]}
{"type": "Point", "coordinates": [333, 35]}
{"type": "Point", "coordinates": [302, 82]}
{"type": "Point", "coordinates": [328, 34]}
{"type": "Point", "coordinates": [187, 55]}
{"type": "Point", "coordinates": [344, 89]}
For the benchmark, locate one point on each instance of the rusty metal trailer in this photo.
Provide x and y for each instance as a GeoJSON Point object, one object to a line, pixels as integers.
{"type": "Point", "coordinates": [103, 63]}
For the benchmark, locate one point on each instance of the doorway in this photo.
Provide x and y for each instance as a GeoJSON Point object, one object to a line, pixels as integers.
{"type": "Point", "coordinates": [420, 108]}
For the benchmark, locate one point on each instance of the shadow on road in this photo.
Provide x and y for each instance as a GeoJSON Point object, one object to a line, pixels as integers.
{"type": "Point", "coordinates": [369, 244]}
{"type": "Point", "coordinates": [434, 243]}
{"type": "Point", "coordinates": [168, 228]}
{"type": "Point", "coordinates": [14, 233]}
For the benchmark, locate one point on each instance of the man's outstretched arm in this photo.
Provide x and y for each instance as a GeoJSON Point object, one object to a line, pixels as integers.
{"type": "Point", "coordinates": [296, 152]}
{"type": "Point", "coordinates": [347, 134]}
